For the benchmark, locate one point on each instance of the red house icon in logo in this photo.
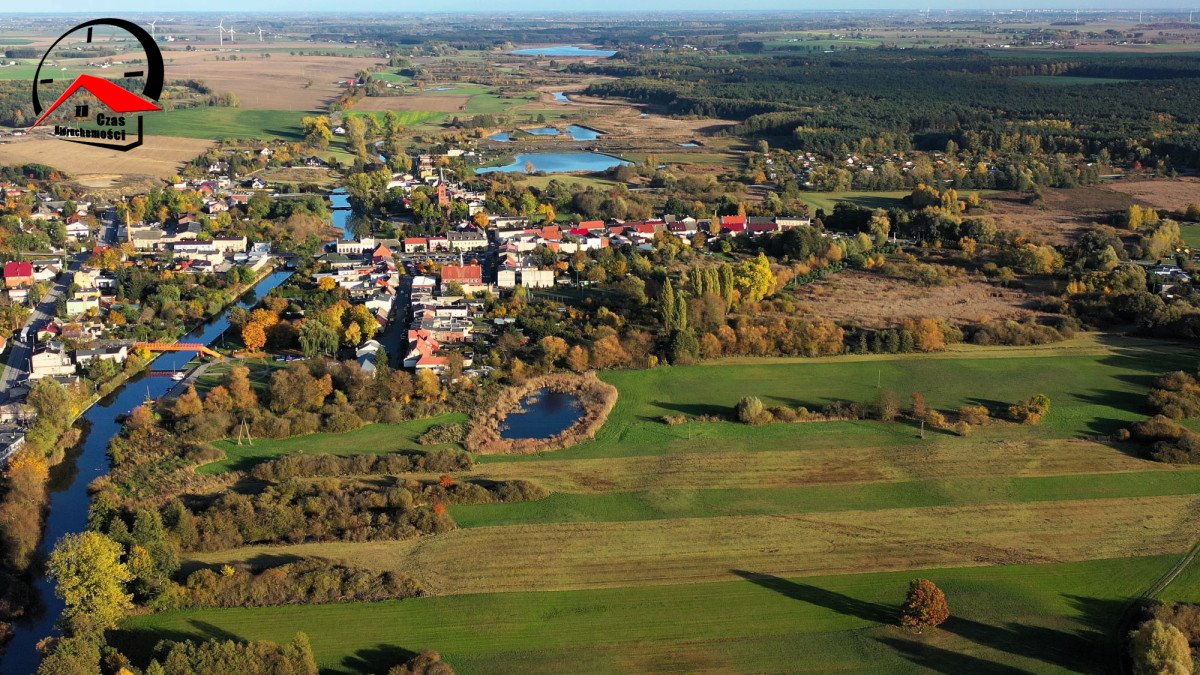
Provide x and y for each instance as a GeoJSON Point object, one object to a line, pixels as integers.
{"type": "Point", "coordinates": [115, 97]}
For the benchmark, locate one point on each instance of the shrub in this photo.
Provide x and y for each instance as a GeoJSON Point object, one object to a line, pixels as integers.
{"type": "Point", "coordinates": [673, 420]}
{"type": "Point", "coordinates": [1176, 395]}
{"type": "Point", "coordinates": [750, 410]}
{"type": "Point", "coordinates": [1031, 410]}
{"type": "Point", "coordinates": [1170, 442]}
{"type": "Point", "coordinates": [886, 406]}
{"type": "Point", "coordinates": [341, 422]}
{"type": "Point", "coordinates": [204, 454]}
{"type": "Point", "coordinates": [425, 663]}
{"type": "Point", "coordinates": [439, 434]}
{"type": "Point", "coordinates": [975, 415]}
{"type": "Point", "coordinates": [842, 410]}
{"type": "Point", "coordinates": [784, 414]}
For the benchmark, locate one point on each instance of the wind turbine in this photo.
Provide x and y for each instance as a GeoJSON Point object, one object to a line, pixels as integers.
{"type": "Point", "coordinates": [152, 27]}
{"type": "Point", "coordinates": [260, 31]}
{"type": "Point", "coordinates": [221, 33]}
{"type": "Point", "coordinates": [231, 32]}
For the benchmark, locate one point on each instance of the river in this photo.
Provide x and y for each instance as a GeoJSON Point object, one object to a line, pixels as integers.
{"type": "Point", "coordinates": [69, 480]}
{"type": "Point", "coordinates": [340, 211]}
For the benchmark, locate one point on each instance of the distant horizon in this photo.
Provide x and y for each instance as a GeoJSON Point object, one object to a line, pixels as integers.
{"type": "Point", "coordinates": [580, 7]}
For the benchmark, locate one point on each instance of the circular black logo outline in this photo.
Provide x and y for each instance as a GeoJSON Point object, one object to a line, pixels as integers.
{"type": "Point", "coordinates": [154, 60]}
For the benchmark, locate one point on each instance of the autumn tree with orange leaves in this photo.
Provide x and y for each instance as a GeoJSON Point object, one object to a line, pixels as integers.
{"type": "Point", "coordinates": [925, 605]}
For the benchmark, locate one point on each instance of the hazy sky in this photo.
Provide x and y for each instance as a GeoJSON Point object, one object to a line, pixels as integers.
{"type": "Point", "coordinates": [118, 7]}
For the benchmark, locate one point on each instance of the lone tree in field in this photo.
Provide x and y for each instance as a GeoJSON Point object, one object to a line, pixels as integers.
{"type": "Point", "coordinates": [1159, 648]}
{"type": "Point", "coordinates": [925, 605]}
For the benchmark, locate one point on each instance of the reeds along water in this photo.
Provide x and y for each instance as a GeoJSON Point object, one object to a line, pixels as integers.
{"type": "Point", "coordinates": [595, 396]}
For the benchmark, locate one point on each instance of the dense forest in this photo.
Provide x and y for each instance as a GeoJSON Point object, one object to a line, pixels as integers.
{"type": "Point", "coordinates": [829, 103]}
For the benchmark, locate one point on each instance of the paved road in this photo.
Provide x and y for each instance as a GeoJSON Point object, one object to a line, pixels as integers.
{"type": "Point", "coordinates": [17, 368]}
{"type": "Point", "coordinates": [395, 337]}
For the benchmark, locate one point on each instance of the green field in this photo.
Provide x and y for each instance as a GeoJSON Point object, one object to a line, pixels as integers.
{"type": "Point", "coordinates": [718, 546]}
{"type": "Point", "coordinates": [25, 70]}
{"type": "Point", "coordinates": [372, 439]}
{"type": "Point", "coordinates": [1191, 235]}
{"type": "Point", "coordinates": [489, 103]}
{"type": "Point", "coordinates": [1095, 388]}
{"type": "Point", "coordinates": [406, 117]}
{"type": "Point", "coordinates": [392, 77]}
{"type": "Point", "coordinates": [714, 503]}
{"type": "Point", "coordinates": [222, 123]}
{"type": "Point", "coordinates": [1038, 618]}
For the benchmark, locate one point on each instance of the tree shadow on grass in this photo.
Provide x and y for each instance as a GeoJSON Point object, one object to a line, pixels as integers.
{"type": "Point", "coordinates": [377, 659]}
{"type": "Point", "coordinates": [258, 563]}
{"type": "Point", "coordinates": [1127, 401]}
{"type": "Point", "coordinates": [139, 644]}
{"type": "Point", "coordinates": [842, 604]}
{"type": "Point", "coordinates": [997, 409]}
{"type": "Point", "coordinates": [693, 409]}
{"type": "Point", "coordinates": [945, 661]}
{"type": "Point", "coordinates": [1061, 648]}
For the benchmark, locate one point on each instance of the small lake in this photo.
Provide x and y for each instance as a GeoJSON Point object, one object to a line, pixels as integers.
{"type": "Point", "coordinates": [575, 131]}
{"type": "Point", "coordinates": [543, 414]}
{"type": "Point", "coordinates": [558, 162]}
{"type": "Point", "coordinates": [689, 144]}
{"type": "Point", "coordinates": [563, 50]}
{"type": "Point", "coordinates": [561, 97]}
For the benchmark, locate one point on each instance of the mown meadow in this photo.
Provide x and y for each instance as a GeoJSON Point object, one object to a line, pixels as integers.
{"type": "Point", "coordinates": [716, 545]}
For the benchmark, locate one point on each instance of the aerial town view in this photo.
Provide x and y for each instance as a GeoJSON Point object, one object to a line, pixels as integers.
{"type": "Point", "coordinates": [599, 337]}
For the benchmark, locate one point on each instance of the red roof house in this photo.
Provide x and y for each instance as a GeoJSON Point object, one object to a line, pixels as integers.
{"type": "Point", "coordinates": [17, 274]}
{"type": "Point", "coordinates": [468, 275]}
{"type": "Point", "coordinates": [381, 253]}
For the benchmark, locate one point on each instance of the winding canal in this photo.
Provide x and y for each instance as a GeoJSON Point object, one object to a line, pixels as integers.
{"type": "Point", "coordinates": [69, 480]}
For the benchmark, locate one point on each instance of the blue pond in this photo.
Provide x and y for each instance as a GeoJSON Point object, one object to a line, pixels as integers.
{"type": "Point", "coordinates": [563, 50]}
{"type": "Point", "coordinates": [561, 97]}
{"type": "Point", "coordinates": [575, 131]}
{"type": "Point", "coordinates": [558, 162]}
{"type": "Point", "coordinates": [542, 414]}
